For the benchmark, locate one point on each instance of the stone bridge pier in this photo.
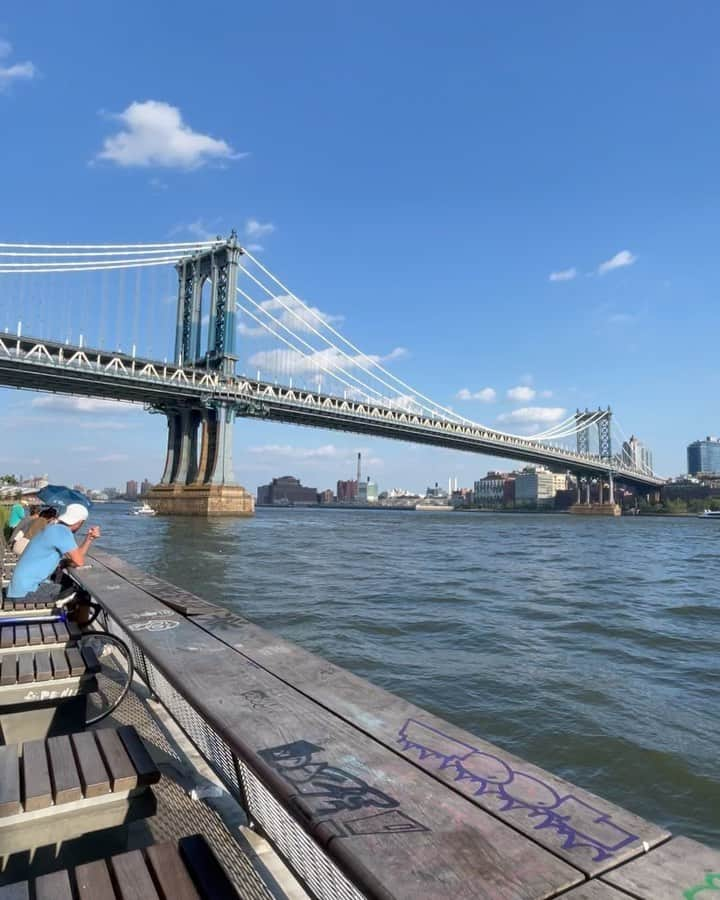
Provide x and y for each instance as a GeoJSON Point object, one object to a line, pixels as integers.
{"type": "Point", "coordinates": [198, 477]}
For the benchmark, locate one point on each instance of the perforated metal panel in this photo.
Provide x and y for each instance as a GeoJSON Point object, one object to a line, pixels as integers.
{"type": "Point", "coordinates": [313, 867]}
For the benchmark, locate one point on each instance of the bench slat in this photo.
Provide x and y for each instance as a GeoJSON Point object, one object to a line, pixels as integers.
{"type": "Point", "coordinates": [34, 634]}
{"type": "Point", "coordinates": [43, 672]}
{"type": "Point", "coordinates": [75, 661]}
{"type": "Point", "coordinates": [48, 633]}
{"type": "Point", "coordinates": [26, 669]}
{"type": "Point", "coordinates": [171, 876]}
{"type": "Point", "coordinates": [91, 660]}
{"type": "Point", "coordinates": [64, 773]}
{"type": "Point", "coordinates": [93, 881]}
{"type": "Point", "coordinates": [206, 871]}
{"type": "Point", "coordinates": [9, 780]}
{"type": "Point", "coordinates": [62, 635]}
{"type": "Point", "coordinates": [93, 774]}
{"type": "Point", "coordinates": [61, 669]}
{"type": "Point", "coordinates": [21, 636]}
{"type": "Point", "coordinates": [132, 876]}
{"type": "Point", "coordinates": [7, 636]}
{"type": "Point", "coordinates": [36, 776]}
{"type": "Point", "coordinates": [123, 776]}
{"type": "Point", "coordinates": [143, 763]}
{"type": "Point", "coordinates": [18, 891]}
{"type": "Point", "coordinates": [55, 886]}
{"type": "Point", "coordinates": [8, 669]}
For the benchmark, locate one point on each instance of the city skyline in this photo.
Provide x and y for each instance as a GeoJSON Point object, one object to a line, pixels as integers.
{"type": "Point", "coordinates": [482, 206]}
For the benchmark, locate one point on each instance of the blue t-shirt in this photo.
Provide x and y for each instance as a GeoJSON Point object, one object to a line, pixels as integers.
{"type": "Point", "coordinates": [17, 514]}
{"type": "Point", "coordinates": [40, 559]}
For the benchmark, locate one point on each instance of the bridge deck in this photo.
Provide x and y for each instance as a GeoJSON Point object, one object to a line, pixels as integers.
{"type": "Point", "coordinates": [366, 794]}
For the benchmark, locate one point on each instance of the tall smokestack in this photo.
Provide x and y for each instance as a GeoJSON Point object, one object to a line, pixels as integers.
{"type": "Point", "coordinates": [358, 472]}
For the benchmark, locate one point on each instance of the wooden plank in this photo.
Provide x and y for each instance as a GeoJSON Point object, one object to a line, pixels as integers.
{"type": "Point", "coordinates": [26, 668]}
{"type": "Point", "coordinates": [170, 873]}
{"type": "Point", "coordinates": [34, 634]}
{"type": "Point", "coordinates": [55, 886]}
{"type": "Point", "coordinates": [60, 666]}
{"type": "Point", "coordinates": [21, 636]}
{"type": "Point", "coordinates": [92, 664]}
{"type": "Point", "coordinates": [93, 774]}
{"type": "Point", "coordinates": [43, 672]}
{"type": "Point", "coordinates": [132, 877]}
{"type": "Point", "coordinates": [48, 633]}
{"type": "Point", "coordinates": [205, 869]}
{"type": "Point", "coordinates": [62, 635]}
{"type": "Point", "coordinates": [147, 771]}
{"type": "Point", "coordinates": [93, 881]}
{"type": "Point", "coordinates": [8, 669]}
{"type": "Point", "coordinates": [581, 828]}
{"type": "Point", "coordinates": [596, 890]}
{"type": "Point", "coordinates": [63, 770]}
{"type": "Point", "coordinates": [408, 835]}
{"type": "Point", "coordinates": [18, 891]}
{"type": "Point", "coordinates": [123, 776]}
{"type": "Point", "coordinates": [7, 636]}
{"type": "Point", "coordinates": [75, 661]}
{"type": "Point", "coordinates": [37, 788]}
{"type": "Point", "coordinates": [680, 868]}
{"type": "Point", "coordinates": [9, 780]}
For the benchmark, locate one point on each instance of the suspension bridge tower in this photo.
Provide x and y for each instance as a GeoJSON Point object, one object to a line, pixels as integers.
{"type": "Point", "coordinates": [198, 477]}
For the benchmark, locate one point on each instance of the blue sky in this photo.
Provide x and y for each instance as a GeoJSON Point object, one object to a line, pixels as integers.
{"type": "Point", "coordinates": [418, 174]}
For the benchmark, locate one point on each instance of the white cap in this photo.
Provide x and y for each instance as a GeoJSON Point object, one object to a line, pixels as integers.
{"type": "Point", "coordinates": [75, 513]}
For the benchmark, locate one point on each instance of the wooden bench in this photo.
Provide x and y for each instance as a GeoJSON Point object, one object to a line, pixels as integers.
{"type": "Point", "coordinates": [46, 674]}
{"type": "Point", "coordinates": [188, 871]}
{"type": "Point", "coordinates": [25, 607]}
{"type": "Point", "coordinates": [19, 638]}
{"type": "Point", "coordinates": [63, 787]}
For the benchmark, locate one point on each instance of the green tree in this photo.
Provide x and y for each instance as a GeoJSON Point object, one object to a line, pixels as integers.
{"type": "Point", "coordinates": [8, 479]}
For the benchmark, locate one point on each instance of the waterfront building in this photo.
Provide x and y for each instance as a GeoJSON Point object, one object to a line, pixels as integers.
{"type": "Point", "coordinates": [704, 456]}
{"type": "Point", "coordinates": [145, 487]}
{"type": "Point", "coordinates": [534, 487]}
{"type": "Point", "coordinates": [560, 481]}
{"type": "Point", "coordinates": [286, 491]}
{"type": "Point", "coordinates": [490, 490]}
{"type": "Point", "coordinates": [636, 455]}
{"type": "Point", "coordinates": [346, 491]}
{"type": "Point", "coordinates": [131, 490]}
{"type": "Point", "coordinates": [326, 497]}
{"type": "Point", "coordinates": [367, 492]}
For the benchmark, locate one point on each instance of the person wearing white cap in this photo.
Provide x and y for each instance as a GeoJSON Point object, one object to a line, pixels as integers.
{"type": "Point", "coordinates": [44, 552]}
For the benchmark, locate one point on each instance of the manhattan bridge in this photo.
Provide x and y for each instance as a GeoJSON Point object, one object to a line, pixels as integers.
{"type": "Point", "coordinates": [160, 324]}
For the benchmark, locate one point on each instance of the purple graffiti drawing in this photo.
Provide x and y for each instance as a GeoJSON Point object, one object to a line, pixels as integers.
{"type": "Point", "coordinates": [505, 789]}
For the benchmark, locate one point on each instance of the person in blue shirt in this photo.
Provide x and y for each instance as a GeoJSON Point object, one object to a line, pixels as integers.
{"type": "Point", "coordinates": [44, 552]}
{"type": "Point", "coordinates": [17, 514]}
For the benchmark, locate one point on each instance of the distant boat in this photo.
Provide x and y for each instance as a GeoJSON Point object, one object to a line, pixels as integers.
{"type": "Point", "coordinates": [143, 510]}
{"type": "Point", "coordinates": [709, 514]}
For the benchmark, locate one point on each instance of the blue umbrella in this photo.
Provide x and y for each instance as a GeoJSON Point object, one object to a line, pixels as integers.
{"type": "Point", "coordinates": [61, 497]}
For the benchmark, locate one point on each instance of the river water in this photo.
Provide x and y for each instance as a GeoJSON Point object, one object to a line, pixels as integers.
{"type": "Point", "coordinates": [588, 646]}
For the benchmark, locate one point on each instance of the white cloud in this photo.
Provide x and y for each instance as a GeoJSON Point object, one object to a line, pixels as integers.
{"type": "Point", "coordinates": [534, 414]}
{"type": "Point", "coordinates": [255, 229]}
{"type": "Point", "coordinates": [154, 134]}
{"type": "Point", "coordinates": [113, 457]}
{"type": "Point", "coordinates": [291, 363]}
{"type": "Point", "coordinates": [563, 275]}
{"type": "Point", "coordinates": [291, 312]}
{"type": "Point", "coordinates": [23, 71]}
{"type": "Point", "coordinates": [105, 425]}
{"type": "Point", "coordinates": [521, 394]}
{"type": "Point", "coordinates": [486, 395]}
{"type": "Point", "coordinates": [84, 448]}
{"type": "Point", "coordinates": [545, 394]}
{"type": "Point", "coordinates": [81, 404]}
{"type": "Point", "coordinates": [621, 259]}
{"type": "Point", "coordinates": [199, 229]}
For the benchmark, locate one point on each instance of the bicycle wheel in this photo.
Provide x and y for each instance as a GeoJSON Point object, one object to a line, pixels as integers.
{"type": "Point", "coordinates": [115, 675]}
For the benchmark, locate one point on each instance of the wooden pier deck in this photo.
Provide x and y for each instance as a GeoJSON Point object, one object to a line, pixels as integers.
{"type": "Point", "coordinates": [367, 795]}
